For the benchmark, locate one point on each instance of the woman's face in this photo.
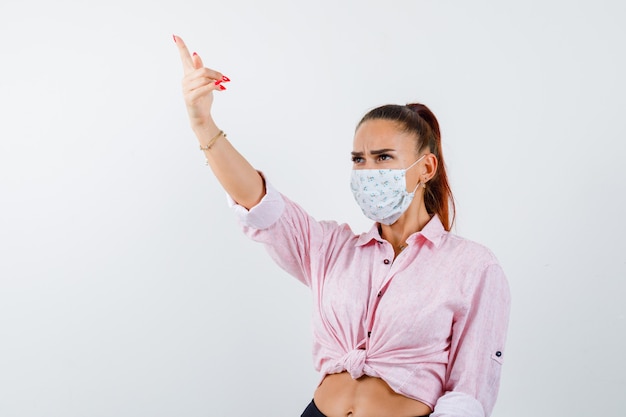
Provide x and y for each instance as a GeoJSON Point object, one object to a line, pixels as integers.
{"type": "Point", "coordinates": [380, 144]}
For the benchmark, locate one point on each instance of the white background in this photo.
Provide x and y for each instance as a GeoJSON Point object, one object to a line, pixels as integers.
{"type": "Point", "coordinates": [126, 287]}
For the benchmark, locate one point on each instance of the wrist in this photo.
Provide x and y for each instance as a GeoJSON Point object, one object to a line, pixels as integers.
{"type": "Point", "coordinates": [204, 128]}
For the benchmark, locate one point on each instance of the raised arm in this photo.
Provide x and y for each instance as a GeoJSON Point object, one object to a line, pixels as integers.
{"type": "Point", "coordinates": [240, 180]}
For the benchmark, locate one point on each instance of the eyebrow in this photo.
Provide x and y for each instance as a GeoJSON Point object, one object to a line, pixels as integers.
{"type": "Point", "coordinates": [375, 152]}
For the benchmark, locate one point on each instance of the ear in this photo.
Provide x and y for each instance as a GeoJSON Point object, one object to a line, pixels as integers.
{"type": "Point", "coordinates": [430, 167]}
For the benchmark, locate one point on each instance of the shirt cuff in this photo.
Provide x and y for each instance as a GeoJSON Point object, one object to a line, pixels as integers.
{"type": "Point", "coordinates": [264, 214]}
{"type": "Point", "coordinates": [458, 404]}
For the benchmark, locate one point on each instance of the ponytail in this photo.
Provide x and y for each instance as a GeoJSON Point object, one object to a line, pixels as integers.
{"type": "Point", "coordinates": [419, 120]}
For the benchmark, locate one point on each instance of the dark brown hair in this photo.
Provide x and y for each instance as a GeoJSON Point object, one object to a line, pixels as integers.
{"type": "Point", "coordinates": [416, 118]}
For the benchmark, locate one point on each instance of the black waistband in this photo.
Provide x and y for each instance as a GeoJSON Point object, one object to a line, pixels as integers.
{"type": "Point", "coordinates": [311, 410]}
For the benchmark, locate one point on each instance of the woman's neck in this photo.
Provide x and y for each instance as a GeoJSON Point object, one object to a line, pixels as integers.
{"type": "Point", "coordinates": [411, 221]}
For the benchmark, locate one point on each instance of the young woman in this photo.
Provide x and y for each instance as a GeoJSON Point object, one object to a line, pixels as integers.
{"type": "Point", "coordinates": [409, 319]}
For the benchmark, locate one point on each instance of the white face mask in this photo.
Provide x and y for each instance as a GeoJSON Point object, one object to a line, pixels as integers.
{"type": "Point", "coordinates": [381, 193]}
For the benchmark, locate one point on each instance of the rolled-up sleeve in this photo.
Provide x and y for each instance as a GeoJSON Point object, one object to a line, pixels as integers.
{"type": "Point", "coordinates": [477, 349]}
{"type": "Point", "coordinates": [290, 235]}
{"type": "Point", "coordinates": [264, 214]}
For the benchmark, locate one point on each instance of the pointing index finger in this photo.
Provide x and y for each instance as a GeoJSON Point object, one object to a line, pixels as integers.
{"type": "Point", "coordinates": [185, 56]}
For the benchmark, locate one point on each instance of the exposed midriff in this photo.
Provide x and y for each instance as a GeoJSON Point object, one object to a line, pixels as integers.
{"type": "Point", "coordinates": [339, 395]}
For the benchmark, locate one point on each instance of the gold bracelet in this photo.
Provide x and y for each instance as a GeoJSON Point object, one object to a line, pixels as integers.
{"type": "Point", "coordinates": [212, 141]}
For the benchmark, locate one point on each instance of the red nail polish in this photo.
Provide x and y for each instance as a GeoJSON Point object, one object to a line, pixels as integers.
{"type": "Point", "coordinates": [195, 54]}
{"type": "Point", "coordinates": [218, 82]}
{"type": "Point", "coordinates": [174, 36]}
{"type": "Point", "coordinates": [222, 88]}
{"type": "Point", "coordinates": [225, 78]}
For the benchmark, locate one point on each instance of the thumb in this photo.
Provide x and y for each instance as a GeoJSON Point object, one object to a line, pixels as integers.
{"type": "Point", "coordinates": [197, 61]}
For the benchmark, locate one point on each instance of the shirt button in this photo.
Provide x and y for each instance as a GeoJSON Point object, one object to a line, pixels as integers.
{"type": "Point", "coordinates": [380, 293]}
{"type": "Point", "coordinates": [386, 261]}
{"type": "Point", "coordinates": [369, 334]}
{"type": "Point", "coordinates": [498, 353]}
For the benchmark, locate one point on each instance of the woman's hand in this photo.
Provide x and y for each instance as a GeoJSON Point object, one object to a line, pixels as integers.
{"type": "Point", "coordinates": [198, 85]}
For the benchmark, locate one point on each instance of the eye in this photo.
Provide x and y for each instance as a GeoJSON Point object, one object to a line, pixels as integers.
{"type": "Point", "coordinates": [357, 159]}
{"type": "Point", "coordinates": [384, 157]}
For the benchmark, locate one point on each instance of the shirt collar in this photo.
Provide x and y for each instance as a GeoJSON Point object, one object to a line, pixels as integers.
{"type": "Point", "coordinates": [433, 232]}
{"type": "Point", "coordinates": [366, 238]}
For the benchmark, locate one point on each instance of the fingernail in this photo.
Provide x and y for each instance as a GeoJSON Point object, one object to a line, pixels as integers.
{"type": "Point", "coordinates": [195, 54]}
{"type": "Point", "coordinates": [225, 78]}
{"type": "Point", "coordinates": [218, 82]}
{"type": "Point", "coordinates": [222, 88]}
{"type": "Point", "coordinates": [174, 36]}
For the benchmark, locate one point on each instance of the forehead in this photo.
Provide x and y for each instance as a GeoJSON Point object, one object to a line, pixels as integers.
{"type": "Point", "coordinates": [382, 134]}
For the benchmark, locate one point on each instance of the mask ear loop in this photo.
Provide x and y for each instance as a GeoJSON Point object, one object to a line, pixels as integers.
{"type": "Point", "coordinates": [414, 163]}
{"type": "Point", "coordinates": [411, 166]}
{"type": "Point", "coordinates": [416, 187]}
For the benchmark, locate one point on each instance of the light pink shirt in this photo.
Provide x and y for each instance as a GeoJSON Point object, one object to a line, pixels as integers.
{"type": "Point", "coordinates": [431, 323]}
